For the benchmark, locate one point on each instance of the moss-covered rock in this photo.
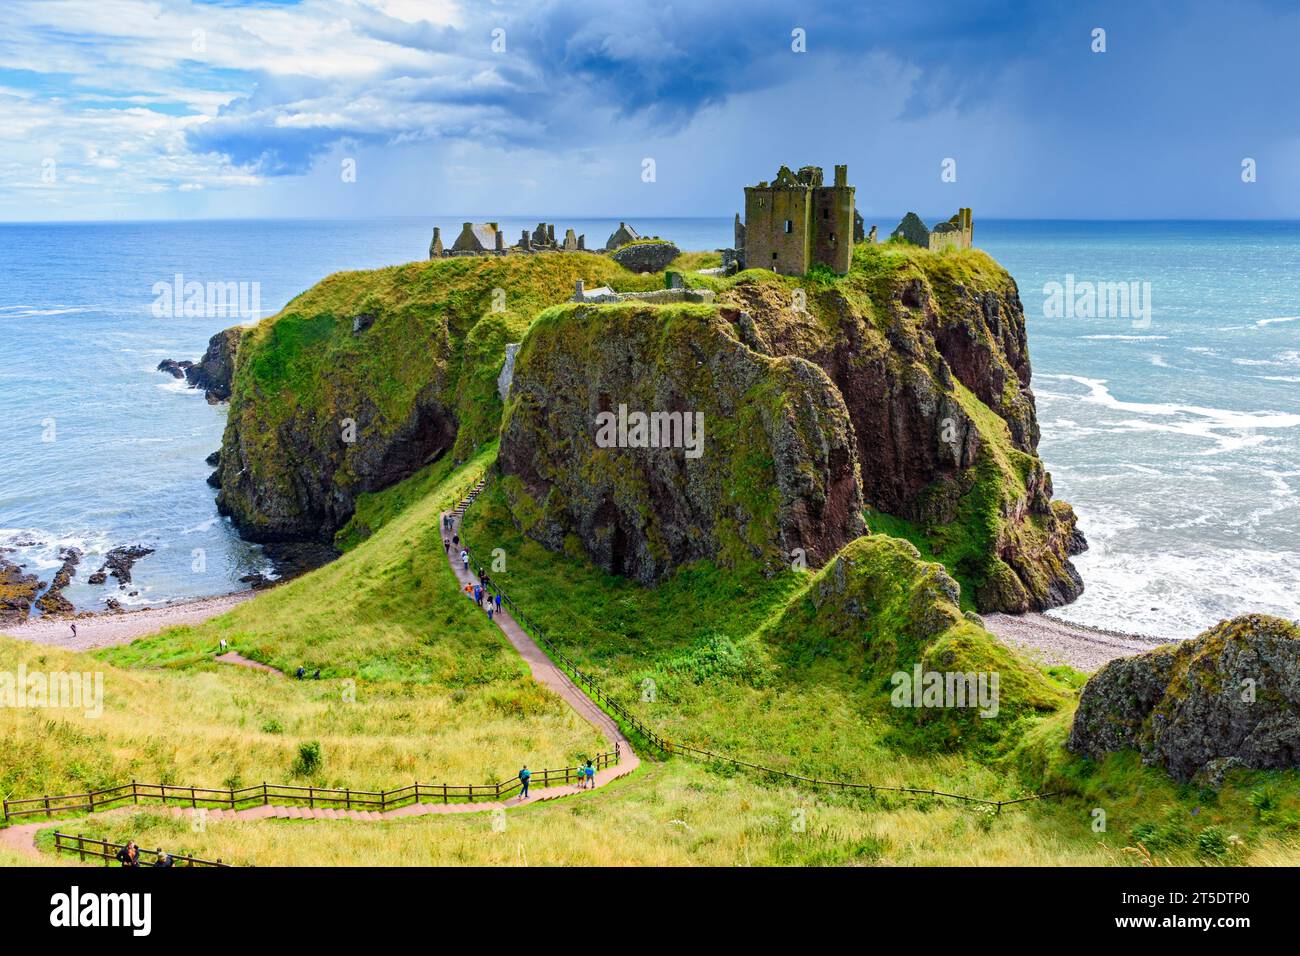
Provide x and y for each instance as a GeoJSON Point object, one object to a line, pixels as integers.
{"type": "Point", "coordinates": [367, 376]}
{"type": "Point", "coordinates": [774, 470]}
{"type": "Point", "coordinates": [889, 612]}
{"type": "Point", "coordinates": [929, 352]}
{"type": "Point", "coordinates": [1231, 694]}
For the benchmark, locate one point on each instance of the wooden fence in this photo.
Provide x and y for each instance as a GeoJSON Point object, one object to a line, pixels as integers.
{"type": "Point", "coordinates": [265, 794]}
{"type": "Point", "coordinates": [84, 846]}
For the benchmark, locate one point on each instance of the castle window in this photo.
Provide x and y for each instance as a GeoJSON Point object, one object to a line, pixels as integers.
{"type": "Point", "coordinates": [825, 213]}
{"type": "Point", "coordinates": [774, 257]}
{"type": "Point", "coordinates": [789, 225]}
{"type": "Point", "coordinates": [832, 237]}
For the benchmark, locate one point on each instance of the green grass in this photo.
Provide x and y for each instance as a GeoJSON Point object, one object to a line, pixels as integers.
{"type": "Point", "coordinates": [415, 684]}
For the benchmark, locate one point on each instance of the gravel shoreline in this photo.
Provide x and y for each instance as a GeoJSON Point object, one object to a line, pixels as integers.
{"type": "Point", "coordinates": [107, 629]}
{"type": "Point", "coordinates": [1057, 642]}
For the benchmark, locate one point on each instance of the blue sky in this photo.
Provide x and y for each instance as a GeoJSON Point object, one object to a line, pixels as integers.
{"type": "Point", "coordinates": [173, 108]}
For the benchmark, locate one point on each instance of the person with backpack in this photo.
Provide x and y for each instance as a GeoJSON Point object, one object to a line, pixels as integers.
{"type": "Point", "coordinates": [590, 773]}
{"type": "Point", "coordinates": [524, 776]}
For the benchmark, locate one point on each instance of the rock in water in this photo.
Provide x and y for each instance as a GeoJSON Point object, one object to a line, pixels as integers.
{"type": "Point", "coordinates": [769, 470]}
{"type": "Point", "coordinates": [1230, 697]}
{"type": "Point", "coordinates": [118, 563]}
{"type": "Point", "coordinates": [213, 372]}
{"type": "Point", "coordinates": [53, 602]}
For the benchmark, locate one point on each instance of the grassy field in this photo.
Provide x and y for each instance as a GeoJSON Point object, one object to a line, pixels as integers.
{"type": "Point", "coordinates": [415, 684]}
{"type": "Point", "coordinates": [698, 638]}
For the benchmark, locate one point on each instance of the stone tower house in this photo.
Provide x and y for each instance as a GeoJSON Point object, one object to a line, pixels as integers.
{"type": "Point", "coordinates": [795, 222]}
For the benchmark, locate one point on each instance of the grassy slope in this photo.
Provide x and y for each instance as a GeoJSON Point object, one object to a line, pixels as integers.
{"type": "Point", "coordinates": [440, 695]}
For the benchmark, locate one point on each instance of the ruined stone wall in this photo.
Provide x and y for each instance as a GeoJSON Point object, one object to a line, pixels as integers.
{"type": "Point", "coordinates": [768, 243]}
{"type": "Point", "coordinates": [833, 227]}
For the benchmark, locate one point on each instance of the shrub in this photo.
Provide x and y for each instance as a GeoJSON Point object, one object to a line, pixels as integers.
{"type": "Point", "coordinates": [309, 759]}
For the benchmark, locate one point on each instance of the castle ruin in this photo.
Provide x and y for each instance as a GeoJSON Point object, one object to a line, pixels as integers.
{"type": "Point", "coordinates": [796, 222]}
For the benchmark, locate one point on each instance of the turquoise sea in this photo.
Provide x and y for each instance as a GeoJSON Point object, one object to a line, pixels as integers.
{"type": "Point", "coordinates": [1175, 433]}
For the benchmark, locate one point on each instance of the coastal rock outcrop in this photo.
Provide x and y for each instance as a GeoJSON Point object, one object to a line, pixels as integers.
{"type": "Point", "coordinates": [738, 457]}
{"type": "Point", "coordinates": [213, 372]}
{"type": "Point", "coordinates": [932, 361]}
{"type": "Point", "coordinates": [52, 602]}
{"type": "Point", "coordinates": [320, 415]}
{"type": "Point", "coordinates": [18, 592]}
{"type": "Point", "coordinates": [1230, 697]}
{"type": "Point", "coordinates": [118, 562]}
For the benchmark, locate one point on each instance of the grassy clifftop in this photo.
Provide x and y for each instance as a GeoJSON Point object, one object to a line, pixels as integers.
{"type": "Point", "coordinates": [367, 376]}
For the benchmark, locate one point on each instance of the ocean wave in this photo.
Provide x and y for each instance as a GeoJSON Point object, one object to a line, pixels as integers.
{"type": "Point", "coordinates": [1148, 592]}
{"type": "Point", "coordinates": [23, 312]}
{"type": "Point", "coordinates": [1230, 430]}
{"type": "Point", "coordinates": [1279, 319]}
{"type": "Point", "coordinates": [1125, 338]}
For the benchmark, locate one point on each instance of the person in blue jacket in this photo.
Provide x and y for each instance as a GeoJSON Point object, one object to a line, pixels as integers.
{"type": "Point", "coordinates": [524, 776]}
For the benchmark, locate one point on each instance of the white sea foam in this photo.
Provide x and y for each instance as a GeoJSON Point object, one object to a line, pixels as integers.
{"type": "Point", "coordinates": [1125, 338]}
{"type": "Point", "coordinates": [1279, 319]}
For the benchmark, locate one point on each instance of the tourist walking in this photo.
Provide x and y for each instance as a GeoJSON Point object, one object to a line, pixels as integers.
{"type": "Point", "coordinates": [129, 855]}
{"type": "Point", "coordinates": [490, 610]}
{"type": "Point", "coordinates": [498, 602]}
{"type": "Point", "coordinates": [464, 560]}
{"type": "Point", "coordinates": [74, 630]}
{"type": "Point", "coordinates": [524, 776]}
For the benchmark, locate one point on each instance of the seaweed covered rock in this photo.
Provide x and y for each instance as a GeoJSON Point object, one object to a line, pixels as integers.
{"type": "Point", "coordinates": [740, 457]}
{"type": "Point", "coordinates": [1230, 697]}
{"type": "Point", "coordinates": [931, 669]}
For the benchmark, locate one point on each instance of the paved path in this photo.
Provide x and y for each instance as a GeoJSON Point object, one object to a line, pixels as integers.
{"type": "Point", "coordinates": [21, 837]}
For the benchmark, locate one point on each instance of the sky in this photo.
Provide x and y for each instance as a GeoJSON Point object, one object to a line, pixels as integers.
{"type": "Point", "coordinates": [144, 109]}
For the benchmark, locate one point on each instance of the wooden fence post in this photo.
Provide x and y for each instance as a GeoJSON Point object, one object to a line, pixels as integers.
{"type": "Point", "coordinates": [135, 796]}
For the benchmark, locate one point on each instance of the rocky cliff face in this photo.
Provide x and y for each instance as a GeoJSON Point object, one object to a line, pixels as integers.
{"type": "Point", "coordinates": [921, 368]}
{"type": "Point", "coordinates": [765, 472]}
{"type": "Point", "coordinates": [929, 353]}
{"type": "Point", "coordinates": [366, 377]}
{"type": "Point", "coordinates": [1230, 697]}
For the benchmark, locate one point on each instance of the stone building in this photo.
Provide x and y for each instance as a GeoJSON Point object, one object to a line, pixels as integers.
{"type": "Point", "coordinates": [477, 238]}
{"type": "Point", "coordinates": [956, 233]}
{"type": "Point", "coordinates": [621, 237]}
{"type": "Point", "coordinates": [487, 238]}
{"type": "Point", "coordinates": [796, 222]}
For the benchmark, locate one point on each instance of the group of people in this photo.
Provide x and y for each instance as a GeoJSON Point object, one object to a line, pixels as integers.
{"type": "Point", "coordinates": [129, 855]}
{"type": "Point", "coordinates": [586, 779]}
{"type": "Point", "coordinates": [484, 598]}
